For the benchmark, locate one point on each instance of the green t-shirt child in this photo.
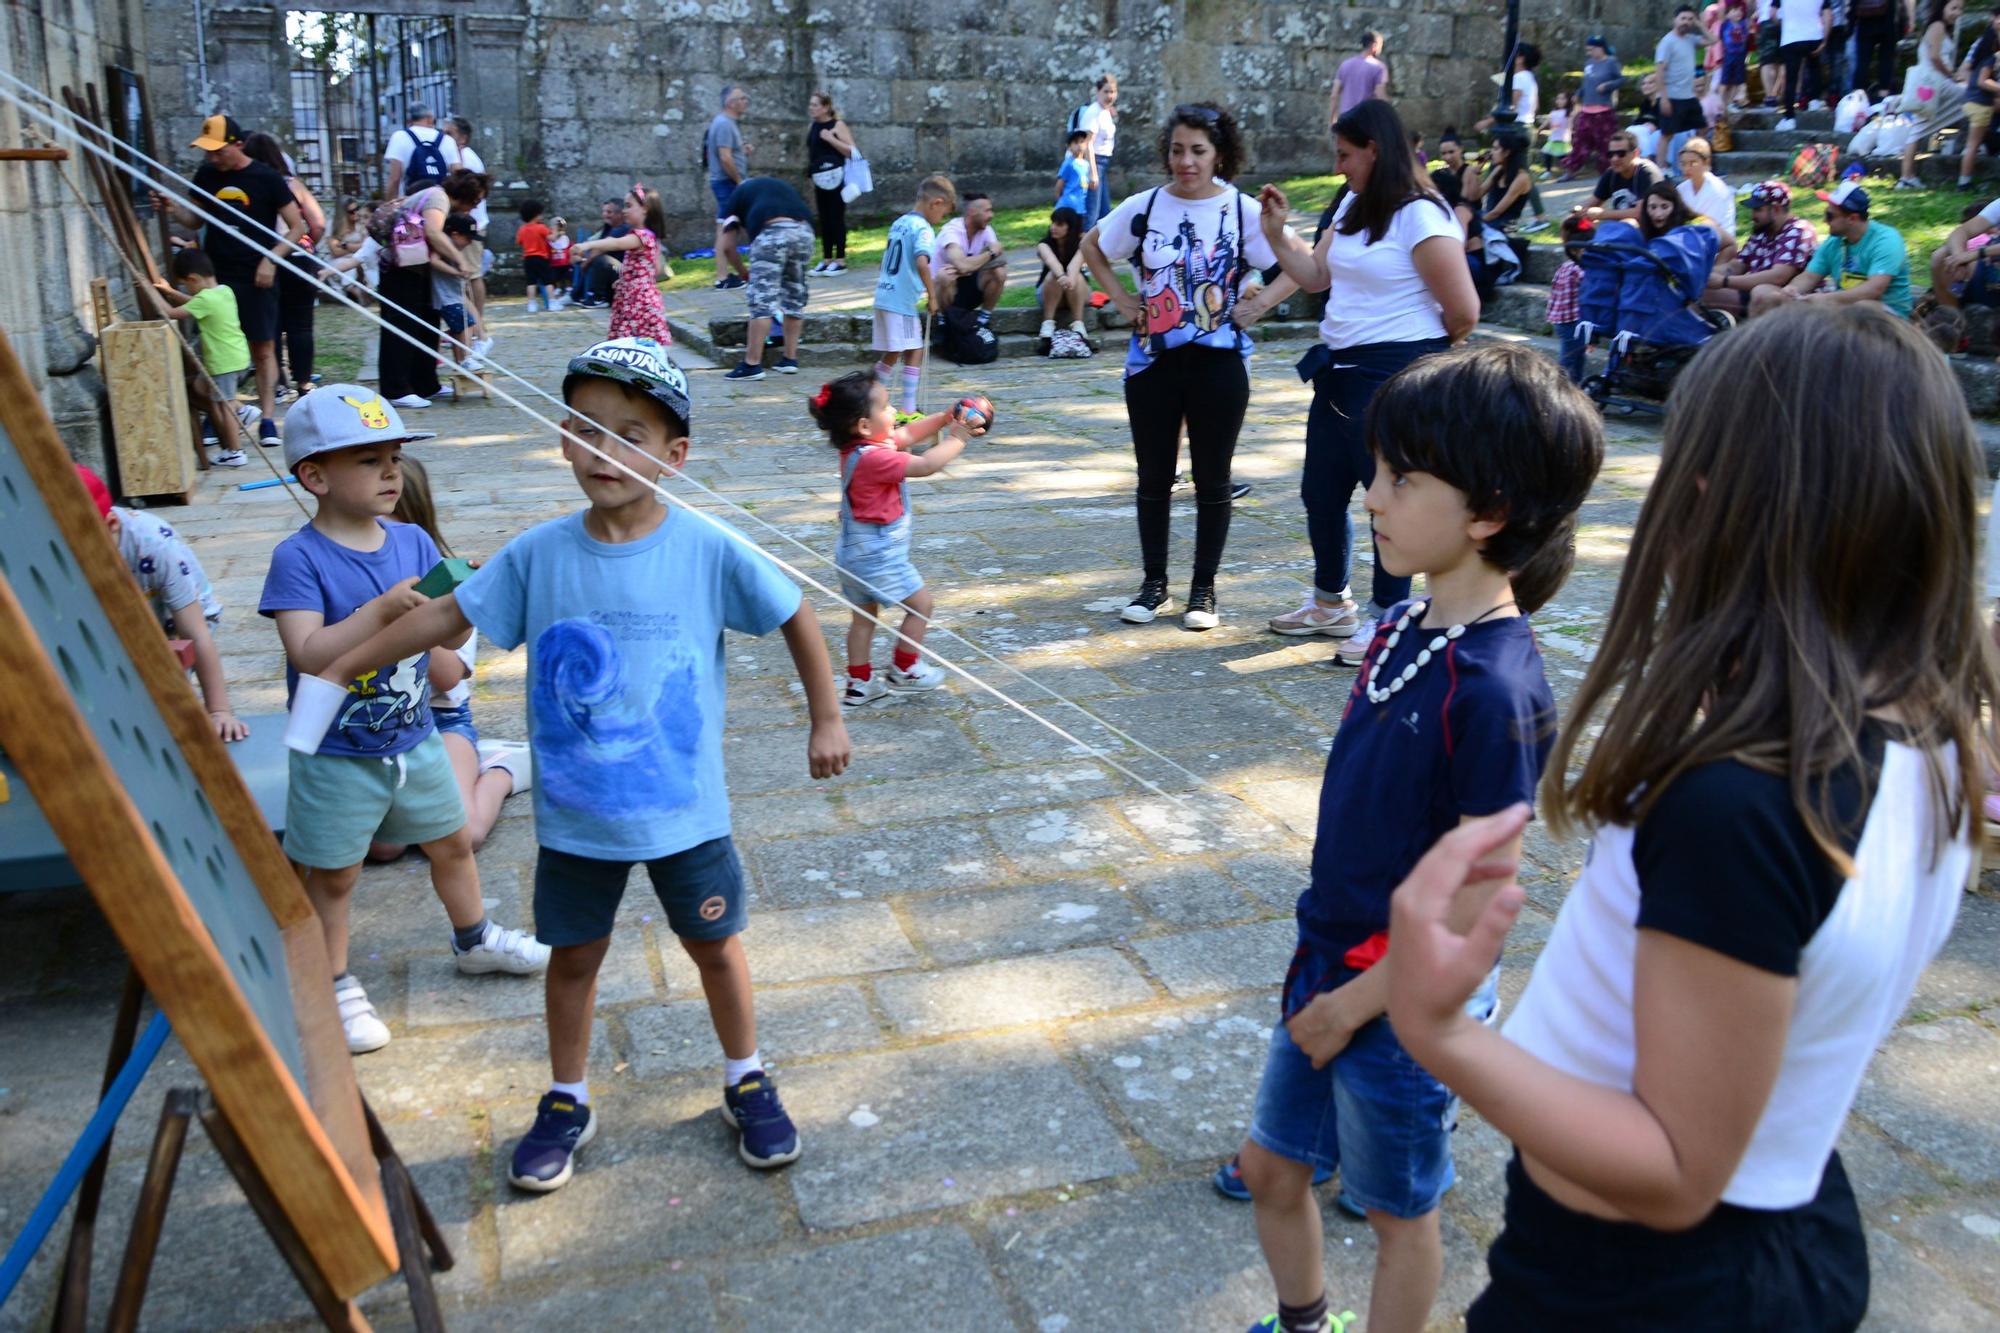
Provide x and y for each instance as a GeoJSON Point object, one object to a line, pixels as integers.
{"type": "Point", "coordinates": [224, 349]}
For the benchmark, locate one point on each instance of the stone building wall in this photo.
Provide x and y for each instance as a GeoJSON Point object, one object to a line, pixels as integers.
{"type": "Point", "coordinates": [49, 249]}
{"type": "Point", "coordinates": [577, 98]}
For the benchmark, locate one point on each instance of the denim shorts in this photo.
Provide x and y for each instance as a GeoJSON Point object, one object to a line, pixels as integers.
{"type": "Point", "coordinates": [336, 804]}
{"type": "Point", "coordinates": [576, 897]}
{"type": "Point", "coordinates": [1373, 1114]}
{"type": "Point", "coordinates": [454, 318]}
{"type": "Point", "coordinates": [456, 722]}
{"type": "Point", "coordinates": [722, 189]}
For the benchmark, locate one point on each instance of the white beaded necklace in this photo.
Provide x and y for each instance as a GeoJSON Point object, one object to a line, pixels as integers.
{"type": "Point", "coordinates": [1379, 695]}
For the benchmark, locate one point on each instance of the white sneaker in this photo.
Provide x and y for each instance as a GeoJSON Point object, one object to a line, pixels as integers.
{"type": "Point", "coordinates": [409, 401]}
{"type": "Point", "coordinates": [864, 693]}
{"type": "Point", "coordinates": [502, 950]}
{"type": "Point", "coordinates": [446, 391]}
{"type": "Point", "coordinates": [480, 347]}
{"type": "Point", "coordinates": [1786, 123]}
{"type": "Point", "coordinates": [1315, 617]}
{"type": "Point", "coordinates": [364, 1027]}
{"type": "Point", "coordinates": [839, 266]}
{"type": "Point", "coordinates": [514, 757]}
{"type": "Point", "coordinates": [249, 414]}
{"type": "Point", "coordinates": [472, 365]}
{"type": "Point", "coordinates": [562, 303]}
{"type": "Point", "coordinates": [229, 458]}
{"type": "Point", "coordinates": [921, 676]}
{"type": "Point", "coordinates": [1048, 331]}
{"type": "Point", "coordinates": [1354, 649]}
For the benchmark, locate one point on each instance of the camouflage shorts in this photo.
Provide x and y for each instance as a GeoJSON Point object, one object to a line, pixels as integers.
{"type": "Point", "coordinates": [778, 259]}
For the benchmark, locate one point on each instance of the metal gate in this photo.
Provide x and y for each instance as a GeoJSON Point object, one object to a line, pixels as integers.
{"type": "Point", "coordinates": [354, 78]}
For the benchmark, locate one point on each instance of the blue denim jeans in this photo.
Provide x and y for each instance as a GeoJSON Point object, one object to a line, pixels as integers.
{"type": "Point", "coordinates": [1338, 461]}
{"type": "Point", "coordinates": [1098, 201]}
{"type": "Point", "coordinates": [1570, 351]}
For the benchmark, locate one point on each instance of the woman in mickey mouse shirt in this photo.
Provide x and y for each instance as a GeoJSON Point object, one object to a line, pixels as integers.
{"type": "Point", "coordinates": [1192, 242]}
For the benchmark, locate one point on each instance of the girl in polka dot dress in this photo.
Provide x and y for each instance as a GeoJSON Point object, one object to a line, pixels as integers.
{"type": "Point", "coordinates": [636, 311]}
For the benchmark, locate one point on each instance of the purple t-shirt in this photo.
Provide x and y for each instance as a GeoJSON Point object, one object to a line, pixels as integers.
{"type": "Point", "coordinates": [388, 710]}
{"type": "Point", "coordinates": [1360, 79]}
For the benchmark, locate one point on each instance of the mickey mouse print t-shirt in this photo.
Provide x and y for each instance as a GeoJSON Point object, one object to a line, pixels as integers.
{"type": "Point", "coordinates": [1191, 256]}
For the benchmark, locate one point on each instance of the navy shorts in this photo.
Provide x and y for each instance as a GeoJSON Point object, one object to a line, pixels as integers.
{"type": "Point", "coordinates": [1373, 1114]}
{"type": "Point", "coordinates": [576, 897]}
{"type": "Point", "coordinates": [454, 319]}
{"type": "Point", "coordinates": [256, 307]}
{"type": "Point", "coordinates": [537, 271]}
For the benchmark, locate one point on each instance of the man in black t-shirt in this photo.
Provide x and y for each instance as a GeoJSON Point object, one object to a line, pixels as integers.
{"type": "Point", "coordinates": [249, 196]}
{"type": "Point", "coordinates": [777, 221]}
{"type": "Point", "coordinates": [1617, 195]}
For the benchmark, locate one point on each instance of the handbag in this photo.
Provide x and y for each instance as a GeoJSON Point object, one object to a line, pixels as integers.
{"type": "Point", "coordinates": [832, 178]}
{"type": "Point", "coordinates": [1814, 166]}
{"type": "Point", "coordinates": [859, 179]}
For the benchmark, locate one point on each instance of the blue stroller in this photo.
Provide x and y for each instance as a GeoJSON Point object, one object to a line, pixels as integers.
{"type": "Point", "coordinates": [1642, 300]}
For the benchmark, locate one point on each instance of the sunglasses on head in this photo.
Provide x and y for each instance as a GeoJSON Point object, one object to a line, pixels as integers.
{"type": "Point", "coordinates": [1206, 115]}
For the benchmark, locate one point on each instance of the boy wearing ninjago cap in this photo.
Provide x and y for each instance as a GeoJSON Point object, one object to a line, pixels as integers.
{"type": "Point", "coordinates": [381, 771]}
{"type": "Point", "coordinates": [622, 607]}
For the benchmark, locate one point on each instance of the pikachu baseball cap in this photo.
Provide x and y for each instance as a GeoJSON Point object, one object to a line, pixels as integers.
{"type": "Point", "coordinates": [342, 416]}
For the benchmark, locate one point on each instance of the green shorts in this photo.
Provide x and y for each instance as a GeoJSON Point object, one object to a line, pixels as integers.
{"type": "Point", "coordinates": [337, 804]}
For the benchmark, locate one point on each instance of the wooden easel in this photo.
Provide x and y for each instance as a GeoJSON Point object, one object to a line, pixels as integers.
{"type": "Point", "coordinates": [420, 1244]}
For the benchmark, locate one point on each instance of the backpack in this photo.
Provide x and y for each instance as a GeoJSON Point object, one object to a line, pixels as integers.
{"type": "Point", "coordinates": [1076, 120]}
{"type": "Point", "coordinates": [962, 338]}
{"type": "Point", "coordinates": [1814, 166]}
{"type": "Point", "coordinates": [427, 164]}
{"type": "Point", "coordinates": [398, 227]}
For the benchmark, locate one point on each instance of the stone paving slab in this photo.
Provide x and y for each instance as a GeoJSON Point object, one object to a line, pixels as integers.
{"type": "Point", "coordinates": [1917, 1091]}
{"type": "Point", "coordinates": [943, 1126]}
{"type": "Point", "coordinates": [842, 939]}
{"type": "Point", "coordinates": [882, 862]}
{"type": "Point", "coordinates": [1011, 991]}
{"type": "Point", "coordinates": [958, 928]}
{"type": "Point", "coordinates": [1186, 1080]}
{"type": "Point", "coordinates": [798, 1022]}
{"type": "Point", "coordinates": [1215, 962]}
{"type": "Point", "coordinates": [932, 1278]}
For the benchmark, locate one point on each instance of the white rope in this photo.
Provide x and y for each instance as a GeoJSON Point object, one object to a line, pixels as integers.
{"type": "Point", "coordinates": [79, 129]}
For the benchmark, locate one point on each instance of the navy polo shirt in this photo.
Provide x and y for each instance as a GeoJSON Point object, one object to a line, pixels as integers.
{"type": "Point", "coordinates": [1467, 736]}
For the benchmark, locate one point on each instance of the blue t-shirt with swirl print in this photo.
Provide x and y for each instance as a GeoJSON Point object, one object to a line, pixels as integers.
{"type": "Point", "coordinates": [625, 674]}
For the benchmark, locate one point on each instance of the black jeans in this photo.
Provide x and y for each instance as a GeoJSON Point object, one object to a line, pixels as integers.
{"type": "Point", "coordinates": [1338, 460]}
{"type": "Point", "coordinates": [832, 223]}
{"type": "Point", "coordinates": [1797, 57]}
{"type": "Point", "coordinates": [405, 294]}
{"type": "Point", "coordinates": [296, 299]}
{"type": "Point", "coordinates": [1208, 388]}
{"type": "Point", "coordinates": [1876, 38]}
{"type": "Point", "coordinates": [1798, 1270]}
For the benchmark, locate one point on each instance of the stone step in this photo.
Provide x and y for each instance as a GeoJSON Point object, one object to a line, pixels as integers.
{"type": "Point", "coordinates": [1758, 118]}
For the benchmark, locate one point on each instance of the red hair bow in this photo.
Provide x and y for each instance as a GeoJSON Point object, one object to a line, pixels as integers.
{"type": "Point", "coordinates": [824, 396]}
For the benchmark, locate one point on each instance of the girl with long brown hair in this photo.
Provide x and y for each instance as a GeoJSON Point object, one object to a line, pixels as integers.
{"type": "Point", "coordinates": [1789, 691]}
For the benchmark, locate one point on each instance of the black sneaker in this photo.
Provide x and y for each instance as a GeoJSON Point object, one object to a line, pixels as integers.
{"type": "Point", "coordinates": [745, 371]}
{"type": "Point", "coordinates": [753, 1110]}
{"type": "Point", "coordinates": [1151, 601]}
{"type": "Point", "coordinates": [787, 365]}
{"type": "Point", "coordinates": [984, 317]}
{"type": "Point", "coordinates": [730, 283]}
{"type": "Point", "coordinates": [1238, 489]}
{"type": "Point", "coordinates": [546, 1157]}
{"type": "Point", "coordinates": [1200, 612]}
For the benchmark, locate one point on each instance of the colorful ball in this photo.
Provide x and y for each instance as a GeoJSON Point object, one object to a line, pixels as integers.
{"type": "Point", "coordinates": [976, 411]}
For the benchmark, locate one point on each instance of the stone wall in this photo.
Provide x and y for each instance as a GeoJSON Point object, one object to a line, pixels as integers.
{"type": "Point", "coordinates": [49, 249]}
{"type": "Point", "coordinates": [576, 98]}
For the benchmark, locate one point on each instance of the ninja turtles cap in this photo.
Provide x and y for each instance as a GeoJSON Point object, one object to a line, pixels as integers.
{"type": "Point", "coordinates": [640, 362]}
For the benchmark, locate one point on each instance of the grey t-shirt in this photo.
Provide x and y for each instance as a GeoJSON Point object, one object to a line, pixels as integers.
{"type": "Point", "coordinates": [1676, 56]}
{"type": "Point", "coordinates": [1600, 79]}
{"type": "Point", "coordinates": [723, 132]}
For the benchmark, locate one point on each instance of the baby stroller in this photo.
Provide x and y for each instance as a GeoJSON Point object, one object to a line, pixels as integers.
{"type": "Point", "coordinates": [1642, 299]}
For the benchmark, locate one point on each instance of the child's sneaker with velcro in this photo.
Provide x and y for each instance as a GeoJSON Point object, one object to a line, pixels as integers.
{"type": "Point", "coordinates": [921, 676]}
{"type": "Point", "coordinates": [864, 693]}
{"type": "Point", "coordinates": [767, 1136]}
{"type": "Point", "coordinates": [503, 950]}
{"type": "Point", "coordinates": [546, 1158]}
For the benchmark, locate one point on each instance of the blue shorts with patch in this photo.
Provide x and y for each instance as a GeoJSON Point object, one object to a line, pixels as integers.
{"type": "Point", "coordinates": [1373, 1114]}
{"type": "Point", "coordinates": [577, 897]}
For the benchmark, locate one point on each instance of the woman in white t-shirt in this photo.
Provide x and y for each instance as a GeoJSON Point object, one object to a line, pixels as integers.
{"type": "Point", "coordinates": [1192, 241]}
{"type": "Point", "coordinates": [1704, 192]}
{"type": "Point", "coordinates": [1393, 267]}
{"type": "Point", "coordinates": [1101, 119]}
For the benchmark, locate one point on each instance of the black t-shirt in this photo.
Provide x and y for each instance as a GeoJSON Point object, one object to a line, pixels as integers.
{"type": "Point", "coordinates": [1725, 861]}
{"type": "Point", "coordinates": [762, 200]}
{"type": "Point", "coordinates": [252, 191]}
{"type": "Point", "coordinates": [1618, 192]}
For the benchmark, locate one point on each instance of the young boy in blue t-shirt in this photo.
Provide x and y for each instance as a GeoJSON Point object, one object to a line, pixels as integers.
{"type": "Point", "coordinates": [1482, 456]}
{"type": "Point", "coordinates": [622, 607]}
{"type": "Point", "coordinates": [1073, 177]}
{"type": "Point", "coordinates": [381, 772]}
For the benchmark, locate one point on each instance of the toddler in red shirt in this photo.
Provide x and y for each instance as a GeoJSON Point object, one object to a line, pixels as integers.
{"type": "Point", "coordinates": [874, 548]}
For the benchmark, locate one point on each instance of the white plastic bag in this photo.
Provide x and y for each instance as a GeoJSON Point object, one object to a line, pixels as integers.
{"type": "Point", "coordinates": [1893, 133]}
{"type": "Point", "coordinates": [1851, 113]}
{"type": "Point", "coordinates": [859, 179]}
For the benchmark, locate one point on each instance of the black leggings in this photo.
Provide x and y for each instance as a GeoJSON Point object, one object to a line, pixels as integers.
{"type": "Point", "coordinates": [1208, 388]}
{"type": "Point", "coordinates": [832, 223]}
{"type": "Point", "coordinates": [405, 294]}
{"type": "Point", "coordinates": [1798, 58]}
{"type": "Point", "coordinates": [296, 296]}
{"type": "Point", "coordinates": [1876, 37]}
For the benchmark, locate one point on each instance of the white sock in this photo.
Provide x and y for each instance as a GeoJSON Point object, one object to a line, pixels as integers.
{"type": "Point", "coordinates": [884, 372]}
{"type": "Point", "coordinates": [735, 1071]}
{"type": "Point", "coordinates": [578, 1092]}
{"type": "Point", "coordinates": [911, 374]}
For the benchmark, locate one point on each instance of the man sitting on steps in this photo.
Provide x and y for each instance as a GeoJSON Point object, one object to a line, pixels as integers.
{"type": "Point", "coordinates": [1616, 196]}
{"type": "Point", "coordinates": [972, 266]}
{"type": "Point", "coordinates": [1776, 251]}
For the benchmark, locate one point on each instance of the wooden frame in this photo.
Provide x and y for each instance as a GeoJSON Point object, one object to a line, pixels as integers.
{"type": "Point", "coordinates": [282, 1076]}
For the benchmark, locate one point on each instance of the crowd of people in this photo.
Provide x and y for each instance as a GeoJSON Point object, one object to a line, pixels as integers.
{"type": "Point", "coordinates": [1737, 914]}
